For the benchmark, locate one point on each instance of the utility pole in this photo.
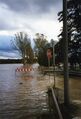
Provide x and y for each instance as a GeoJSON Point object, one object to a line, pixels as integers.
{"type": "Point", "coordinates": [65, 45]}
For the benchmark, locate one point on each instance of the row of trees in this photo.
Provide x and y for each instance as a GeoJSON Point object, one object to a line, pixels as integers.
{"type": "Point", "coordinates": [22, 43]}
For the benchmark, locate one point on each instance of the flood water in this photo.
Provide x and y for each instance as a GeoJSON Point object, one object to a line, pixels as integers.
{"type": "Point", "coordinates": [22, 96]}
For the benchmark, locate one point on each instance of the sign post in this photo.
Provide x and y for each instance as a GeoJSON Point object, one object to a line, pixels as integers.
{"type": "Point", "coordinates": [49, 55]}
{"type": "Point", "coordinates": [54, 61]}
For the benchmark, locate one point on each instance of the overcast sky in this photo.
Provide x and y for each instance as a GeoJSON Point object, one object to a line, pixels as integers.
{"type": "Point", "coordinates": [32, 16]}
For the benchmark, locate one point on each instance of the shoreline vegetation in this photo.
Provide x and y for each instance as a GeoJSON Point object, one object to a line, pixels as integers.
{"type": "Point", "coordinates": [10, 61]}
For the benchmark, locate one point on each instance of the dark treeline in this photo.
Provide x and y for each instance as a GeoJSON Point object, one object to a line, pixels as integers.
{"type": "Point", "coordinates": [74, 34]}
{"type": "Point", "coordinates": [8, 61]}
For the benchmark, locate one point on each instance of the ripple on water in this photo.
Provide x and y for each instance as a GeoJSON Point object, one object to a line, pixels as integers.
{"type": "Point", "coordinates": [21, 95]}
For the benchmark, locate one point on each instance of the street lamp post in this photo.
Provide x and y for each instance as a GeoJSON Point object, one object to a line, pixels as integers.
{"type": "Point", "coordinates": [65, 45]}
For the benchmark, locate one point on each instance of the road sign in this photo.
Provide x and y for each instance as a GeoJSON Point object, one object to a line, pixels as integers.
{"type": "Point", "coordinates": [49, 53]}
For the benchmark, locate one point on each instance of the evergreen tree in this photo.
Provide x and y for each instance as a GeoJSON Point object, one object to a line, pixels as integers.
{"type": "Point", "coordinates": [74, 31]}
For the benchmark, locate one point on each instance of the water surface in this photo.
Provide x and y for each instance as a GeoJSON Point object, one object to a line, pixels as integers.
{"type": "Point", "coordinates": [23, 95]}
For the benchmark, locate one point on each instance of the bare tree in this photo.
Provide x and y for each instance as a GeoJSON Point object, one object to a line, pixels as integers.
{"type": "Point", "coordinates": [23, 44]}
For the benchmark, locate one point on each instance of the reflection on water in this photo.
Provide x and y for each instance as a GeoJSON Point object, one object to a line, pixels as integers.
{"type": "Point", "coordinates": [23, 95]}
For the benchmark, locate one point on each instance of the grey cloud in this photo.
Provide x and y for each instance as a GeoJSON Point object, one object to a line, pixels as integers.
{"type": "Point", "coordinates": [31, 5]}
{"type": "Point", "coordinates": [6, 26]}
{"type": "Point", "coordinates": [17, 14]}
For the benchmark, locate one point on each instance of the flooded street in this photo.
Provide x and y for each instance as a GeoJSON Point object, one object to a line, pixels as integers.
{"type": "Point", "coordinates": [24, 95]}
{"type": "Point", "coordinates": [21, 96]}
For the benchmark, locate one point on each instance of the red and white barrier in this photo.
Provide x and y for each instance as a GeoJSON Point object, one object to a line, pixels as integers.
{"type": "Point", "coordinates": [24, 69]}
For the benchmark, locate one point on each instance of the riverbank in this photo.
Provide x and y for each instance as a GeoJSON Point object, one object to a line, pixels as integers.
{"type": "Point", "coordinates": [46, 71]}
{"type": "Point", "coordinates": [70, 111]}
